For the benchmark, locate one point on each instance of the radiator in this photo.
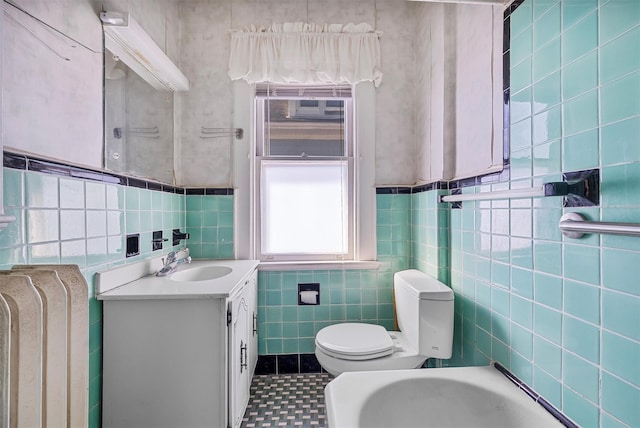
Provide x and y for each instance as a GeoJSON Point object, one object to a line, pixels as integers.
{"type": "Point", "coordinates": [44, 347]}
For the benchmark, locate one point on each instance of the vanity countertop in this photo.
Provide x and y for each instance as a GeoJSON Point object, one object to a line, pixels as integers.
{"type": "Point", "coordinates": [153, 287]}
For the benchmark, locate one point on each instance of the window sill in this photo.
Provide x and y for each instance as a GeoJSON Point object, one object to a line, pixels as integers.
{"type": "Point", "coordinates": [319, 265]}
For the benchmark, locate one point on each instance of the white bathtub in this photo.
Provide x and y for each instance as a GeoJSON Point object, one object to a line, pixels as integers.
{"type": "Point", "coordinates": [448, 397]}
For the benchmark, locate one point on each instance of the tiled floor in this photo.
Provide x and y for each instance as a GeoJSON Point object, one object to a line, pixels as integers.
{"type": "Point", "coordinates": [287, 400]}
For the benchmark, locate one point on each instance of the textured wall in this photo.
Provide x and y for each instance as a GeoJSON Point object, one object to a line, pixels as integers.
{"type": "Point", "coordinates": [204, 58]}
{"type": "Point", "coordinates": [205, 52]}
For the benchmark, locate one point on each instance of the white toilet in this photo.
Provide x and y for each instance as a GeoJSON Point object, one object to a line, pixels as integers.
{"type": "Point", "coordinates": [424, 308]}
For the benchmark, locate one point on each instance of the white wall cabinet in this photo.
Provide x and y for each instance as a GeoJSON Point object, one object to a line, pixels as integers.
{"type": "Point", "coordinates": [4, 219]}
{"type": "Point", "coordinates": [179, 362]}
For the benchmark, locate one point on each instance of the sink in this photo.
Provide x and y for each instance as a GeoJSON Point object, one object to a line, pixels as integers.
{"type": "Point", "coordinates": [203, 273]}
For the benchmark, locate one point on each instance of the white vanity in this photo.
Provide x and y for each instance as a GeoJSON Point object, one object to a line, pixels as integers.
{"type": "Point", "coordinates": [179, 351]}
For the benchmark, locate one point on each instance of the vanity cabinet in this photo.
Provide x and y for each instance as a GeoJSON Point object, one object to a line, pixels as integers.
{"type": "Point", "coordinates": [178, 360]}
{"type": "Point", "coordinates": [243, 350]}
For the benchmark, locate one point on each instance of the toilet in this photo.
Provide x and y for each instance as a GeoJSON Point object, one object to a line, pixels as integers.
{"type": "Point", "coordinates": [424, 310]}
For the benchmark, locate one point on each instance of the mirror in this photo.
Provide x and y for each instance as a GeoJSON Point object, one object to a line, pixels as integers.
{"type": "Point", "coordinates": [139, 81]}
{"type": "Point", "coordinates": [138, 124]}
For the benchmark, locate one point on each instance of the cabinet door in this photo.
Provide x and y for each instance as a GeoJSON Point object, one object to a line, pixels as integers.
{"type": "Point", "coordinates": [239, 374]}
{"type": "Point", "coordinates": [253, 313]}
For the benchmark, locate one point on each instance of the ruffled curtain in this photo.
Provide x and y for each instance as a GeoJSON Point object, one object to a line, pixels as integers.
{"type": "Point", "coordinates": [301, 53]}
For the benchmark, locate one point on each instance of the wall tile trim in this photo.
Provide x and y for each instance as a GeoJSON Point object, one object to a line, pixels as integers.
{"type": "Point", "coordinates": [288, 364]}
{"type": "Point", "coordinates": [31, 163]}
{"type": "Point", "coordinates": [210, 191]}
{"type": "Point", "coordinates": [393, 190]}
{"type": "Point", "coordinates": [536, 397]}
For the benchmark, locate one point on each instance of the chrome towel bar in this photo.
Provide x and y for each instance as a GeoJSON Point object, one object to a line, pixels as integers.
{"type": "Point", "coordinates": [208, 133]}
{"type": "Point", "coordinates": [574, 225]}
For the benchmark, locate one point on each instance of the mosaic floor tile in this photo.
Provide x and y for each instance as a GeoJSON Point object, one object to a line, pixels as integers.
{"type": "Point", "coordinates": [289, 401]}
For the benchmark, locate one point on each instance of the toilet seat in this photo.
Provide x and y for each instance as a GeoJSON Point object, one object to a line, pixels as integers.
{"type": "Point", "coordinates": [355, 341]}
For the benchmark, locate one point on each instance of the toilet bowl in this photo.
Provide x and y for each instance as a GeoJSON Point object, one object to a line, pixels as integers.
{"type": "Point", "coordinates": [424, 309]}
{"type": "Point", "coordinates": [357, 347]}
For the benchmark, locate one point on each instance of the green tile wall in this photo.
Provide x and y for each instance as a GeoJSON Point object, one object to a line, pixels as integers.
{"type": "Point", "coordinates": [429, 236]}
{"type": "Point", "coordinates": [562, 314]}
{"type": "Point", "coordinates": [66, 220]}
{"type": "Point", "coordinates": [345, 295]}
{"type": "Point", "coordinates": [209, 220]}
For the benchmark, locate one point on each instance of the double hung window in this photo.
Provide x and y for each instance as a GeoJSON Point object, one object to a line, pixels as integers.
{"type": "Point", "coordinates": [304, 191]}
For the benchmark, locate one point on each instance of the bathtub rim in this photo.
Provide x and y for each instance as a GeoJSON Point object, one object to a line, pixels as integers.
{"type": "Point", "coordinates": [347, 394]}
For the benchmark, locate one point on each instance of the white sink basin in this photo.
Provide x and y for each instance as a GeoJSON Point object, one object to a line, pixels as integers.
{"type": "Point", "coordinates": [202, 273]}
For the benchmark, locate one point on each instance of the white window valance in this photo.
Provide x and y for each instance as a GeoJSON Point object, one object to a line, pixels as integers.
{"type": "Point", "coordinates": [303, 53]}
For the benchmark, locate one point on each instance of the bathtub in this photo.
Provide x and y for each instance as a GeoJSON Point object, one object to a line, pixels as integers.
{"type": "Point", "coordinates": [440, 397]}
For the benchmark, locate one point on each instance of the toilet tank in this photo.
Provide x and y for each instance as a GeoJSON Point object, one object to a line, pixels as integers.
{"type": "Point", "coordinates": [424, 308]}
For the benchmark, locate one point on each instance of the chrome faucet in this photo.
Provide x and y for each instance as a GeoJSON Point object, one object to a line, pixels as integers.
{"type": "Point", "coordinates": [173, 260]}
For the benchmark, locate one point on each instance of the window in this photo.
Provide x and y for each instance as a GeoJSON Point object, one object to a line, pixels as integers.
{"type": "Point", "coordinates": [304, 192]}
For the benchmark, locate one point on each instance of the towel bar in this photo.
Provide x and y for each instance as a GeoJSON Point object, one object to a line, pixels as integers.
{"type": "Point", "coordinates": [581, 188]}
{"type": "Point", "coordinates": [574, 225]}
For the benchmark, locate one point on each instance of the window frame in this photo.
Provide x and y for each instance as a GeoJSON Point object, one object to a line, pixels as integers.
{"type": "Point", "coordinates": [261, 156]}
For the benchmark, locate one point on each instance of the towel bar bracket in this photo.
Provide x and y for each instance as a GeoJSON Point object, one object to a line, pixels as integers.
{"type": "Point", "coordinates": [571, 217]}
{"type": "Point", "coordinates": [581, 188]}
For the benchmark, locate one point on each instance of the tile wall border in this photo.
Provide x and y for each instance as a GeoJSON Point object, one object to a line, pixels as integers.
{"type": "Point", "coordinates": [33, 163]}
{"type": "Point", "coordinates": [564, 420]}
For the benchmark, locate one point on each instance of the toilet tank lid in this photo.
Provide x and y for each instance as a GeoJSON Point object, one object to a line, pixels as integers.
{"type": "Point", "coordinates": [424, 286]}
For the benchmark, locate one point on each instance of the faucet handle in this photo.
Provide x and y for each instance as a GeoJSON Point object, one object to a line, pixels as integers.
{"type": "Point", "coordinates": [179, 236]}
{"type": "Point", "coordinates": [171, 256]}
